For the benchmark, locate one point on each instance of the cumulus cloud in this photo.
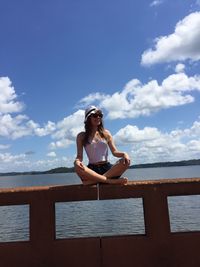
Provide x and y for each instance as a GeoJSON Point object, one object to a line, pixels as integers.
{"type": "Point", "coordinates": [20, 163]}
{"type": "Point", "coordinates": [145, 145]}
{"type": "Point", "coordinates": [181, 45]}
{"type": "Point", "coordinates": [137, 99]}
{"type": "Point", "coordinates": [51, 154]}
{"type": "Point", "coordinates": [12, 127]}
{"type": "Point", "coordinates": [70, 125]}
{"type": "Point", "coordinates": [9, 158]}
{"type": "Point", "coordinates": [131, 134]}
{"type": "Point", "coordinates": [179, 68]}
{"type": "Point", "coordinates": [152, 145]}
{"type": "Point", "coordinates": [8, 97]}
{"type": "Point", "coordinates": [17, 126]}
{"type": "Point", "coordinates": [36, 129]}
{"type": "Point", "coordinates": [67, 129]}
{"type": "Point", "coordinates": [63, 143]}
{"type": "Point", "coordinates": [91, 98]}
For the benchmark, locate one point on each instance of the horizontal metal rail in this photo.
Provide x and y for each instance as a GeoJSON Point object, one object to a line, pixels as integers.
{"type": "Point", "coordinates": [158, 247]}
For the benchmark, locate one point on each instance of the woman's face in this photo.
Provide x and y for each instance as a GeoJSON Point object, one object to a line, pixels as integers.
{"type": "Point", "coordinates": [96, 118]}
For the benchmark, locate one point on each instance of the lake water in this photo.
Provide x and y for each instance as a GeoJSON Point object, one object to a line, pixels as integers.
{"type": "Point", "coordinates": [100, 218]}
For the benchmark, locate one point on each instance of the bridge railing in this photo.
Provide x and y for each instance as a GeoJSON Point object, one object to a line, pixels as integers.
{"type": "Point", "coordinates": [159, 246]}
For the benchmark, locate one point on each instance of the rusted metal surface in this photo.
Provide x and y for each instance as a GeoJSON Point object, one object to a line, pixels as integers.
{"type": "Point", "coordinates": [157, 247]}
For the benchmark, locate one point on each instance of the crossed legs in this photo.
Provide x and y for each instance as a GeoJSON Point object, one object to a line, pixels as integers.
{"type": "Point", "coordinates": [90, 177]}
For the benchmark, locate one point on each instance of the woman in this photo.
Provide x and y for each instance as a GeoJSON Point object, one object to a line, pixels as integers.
{"type": "Point", "coordinates": [96, 140]}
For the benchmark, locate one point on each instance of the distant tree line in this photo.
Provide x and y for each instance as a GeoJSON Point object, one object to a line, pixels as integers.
{"type": "Point", "coordinates": [167, 164]}
{"type": "Point", "coordinates": [146, 165]}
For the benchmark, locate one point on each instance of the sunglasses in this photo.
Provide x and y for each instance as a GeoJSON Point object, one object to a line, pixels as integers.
{"type": "Point", "coordinates": [96, 115]}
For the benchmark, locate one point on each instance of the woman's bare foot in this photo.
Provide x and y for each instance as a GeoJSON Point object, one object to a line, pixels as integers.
{"type": "Point", "coordinates": [122, 180]}
{"type": "Point", "coordinates": [88, 182]}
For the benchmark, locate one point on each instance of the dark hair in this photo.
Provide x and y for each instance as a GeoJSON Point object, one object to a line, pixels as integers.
{"type": "Point", "coordinates": [88, 130]}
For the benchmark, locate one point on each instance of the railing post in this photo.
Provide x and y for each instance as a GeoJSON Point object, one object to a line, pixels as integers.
{"type": "Point", "coordinates": [156, 214]}
{"type": "Point", "coordinates": [42, 221]}
{"type": "Point", "coordinates": [42, 229]}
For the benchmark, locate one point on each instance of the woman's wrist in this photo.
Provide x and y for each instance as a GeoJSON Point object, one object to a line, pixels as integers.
{"type": "Point", "coordinates": [76, 160]}
{"type": "Point", "coordinates": [124, 154]}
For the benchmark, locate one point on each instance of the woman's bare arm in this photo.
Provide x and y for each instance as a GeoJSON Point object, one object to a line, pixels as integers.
{"type": "Point", "coordinates": [114, 149]}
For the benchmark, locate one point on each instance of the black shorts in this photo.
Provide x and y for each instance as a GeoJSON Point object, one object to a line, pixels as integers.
{"type": "Point", "coordinates": [101, 168]}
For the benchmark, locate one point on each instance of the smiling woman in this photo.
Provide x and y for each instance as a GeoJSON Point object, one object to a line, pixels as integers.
{"type": "Point", "coordinates": [96, 140]}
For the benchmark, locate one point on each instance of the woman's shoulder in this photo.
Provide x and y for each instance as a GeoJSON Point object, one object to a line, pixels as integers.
{"type": "Point", "coordinates": [81, 135]}
{"type": "Point", "coordinates": [107, 134]}
{"type": "Point", "coordinates": [106, 131]}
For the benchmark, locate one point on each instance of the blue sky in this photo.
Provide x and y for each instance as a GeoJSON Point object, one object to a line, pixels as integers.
{"type": "Point", "coordinates": [136, 60]}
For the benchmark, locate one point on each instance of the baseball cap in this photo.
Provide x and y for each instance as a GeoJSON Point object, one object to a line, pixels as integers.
{"type": "Point", "coordinates": [90, 110]}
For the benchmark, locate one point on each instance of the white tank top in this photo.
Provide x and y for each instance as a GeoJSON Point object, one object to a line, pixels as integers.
{"type": "Point", "coordinates": [97, 151]}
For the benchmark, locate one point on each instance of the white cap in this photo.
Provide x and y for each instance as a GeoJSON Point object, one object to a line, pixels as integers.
{"type": "Point", "coordinates": [90, 110]}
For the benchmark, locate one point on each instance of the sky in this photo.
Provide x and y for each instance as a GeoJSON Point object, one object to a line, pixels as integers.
{"type": "Point", "coordinates": [139, 61]}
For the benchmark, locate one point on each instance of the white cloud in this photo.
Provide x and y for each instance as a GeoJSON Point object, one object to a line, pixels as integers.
{"type": "Point", "coordinates": [4, 146]}
{"type": "Point", "coordinates": [179, 68]}
{"type": "Point", "coordinates": [137, 99]}
{"type": "Point", "coordinates": [51, 154]}
{"type": "Point", "coordinates": [151, 145]}
{"type": "Point", "coordinates": [8, 97]}
{"type": "Point", "coordinates": [67, 130]}
{"type": "Point", "coordinates": [63, 143]}
{"type": "Point", "coordinates": [70, 126]}
{"type": "Point", "coordinates": [91, 98]}
{"type": "Point", "coordinates": [195, 130]}
{"type": "Point", "coordinates": [19, 126]}
{"type": "Point", "coordinates": [9, 158]}
{"type": "Point", "coordinates": [131, 134]}
{"type": "Point", "coordinates": [14, 127]}
{"type": "Point", "coordinates": [35, 128]}
{"type": "Point", "coordinates": [181, 45]}
{"type": "Point", "coordinates": [10, 163]}
{"type": "Point", "coordinates": [144, 145]}
{"type": "Point", "coordinates": [156, 3]}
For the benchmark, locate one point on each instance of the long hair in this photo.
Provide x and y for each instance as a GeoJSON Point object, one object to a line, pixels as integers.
{"type": "Point", "coordinates": [88, 131]}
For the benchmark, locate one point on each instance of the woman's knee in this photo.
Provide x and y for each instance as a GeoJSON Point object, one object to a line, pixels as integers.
{"type": "Point", "coordinates": [79, 171]}
{"type": "Point", "coordinates": [124, 163]}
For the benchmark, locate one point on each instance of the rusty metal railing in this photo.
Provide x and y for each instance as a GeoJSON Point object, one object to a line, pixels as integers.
{"type": "Point", "coordinates": [158, 247]}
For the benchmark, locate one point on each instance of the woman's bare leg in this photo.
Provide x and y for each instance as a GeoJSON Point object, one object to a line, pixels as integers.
{"type": "Point", "coordinates": [117, 169]}
{"type": "Point", "coordinates": [90, 177]}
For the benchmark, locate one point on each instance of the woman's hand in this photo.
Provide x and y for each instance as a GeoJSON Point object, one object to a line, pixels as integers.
{"type": "Point", "coordinates": [126, 159]}
{"type": "Point", "coordinates": [81, 166]}
{"type": "Point", "coordinates": [78, 163]}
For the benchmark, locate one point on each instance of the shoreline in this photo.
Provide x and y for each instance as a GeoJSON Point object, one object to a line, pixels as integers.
{"type": "Point", "coordinates": [192, 162]}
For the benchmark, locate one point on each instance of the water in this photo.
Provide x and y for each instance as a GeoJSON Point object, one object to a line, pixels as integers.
{"type": "Point", "coordinates": [100, 218]}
